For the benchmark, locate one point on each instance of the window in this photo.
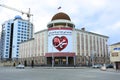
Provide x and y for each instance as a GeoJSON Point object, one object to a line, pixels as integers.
{"type": "Point", "coordinates": [7, 43]}
{"type": "Point", "coordinates": [18, 27]}
{"type": "Point", "coordinates": [6, 55]}
{"type": "Point", "coordinates": [6, 52]}
{"type": "Point", "coordinates": [19, 24]}
{"type": "Point", "coordinates": [24, 37]}
{"type": "Point", "coordinates": [18, 37]}
{"type": "Point", "coordinates": [8, 23]}
{"type": "Point", "coordinates": [6, 49]}
{"type": "Point", "coordinates": [18, 33]}
{"type": "Point", "coordinates": [18, 30]}
{"type": "Point", "coordinates": [8, 29]}
{"type": "Point", "coordinates": [7, 40]}
{"type": "Point", "coordinates": [8, 35]}
{"type": "Point", "coordinates": [17, 48]}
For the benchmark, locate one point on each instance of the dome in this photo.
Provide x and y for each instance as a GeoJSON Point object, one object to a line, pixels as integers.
{"type": "Point", "coordinates": [18, 17]}
{"type": "Point", "coordinates": [61, 15]}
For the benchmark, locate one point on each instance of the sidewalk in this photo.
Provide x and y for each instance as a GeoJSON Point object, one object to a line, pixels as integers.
{"type": "Point", "coordinates": [113, 70]}
{"type": "Point", "coordinates": [58, 67]}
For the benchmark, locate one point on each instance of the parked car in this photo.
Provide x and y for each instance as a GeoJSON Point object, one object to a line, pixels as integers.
{"type": "Point", "coordinates": [97, 66]}
{"type": "Point", "coordinates": [20, 66]}
{"type": "Point", "coordinates": [109, 65]}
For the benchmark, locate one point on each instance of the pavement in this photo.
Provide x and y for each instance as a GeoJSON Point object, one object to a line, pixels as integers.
{"type": "Point", "coordinates": [58, 73]}
{"type": "Point", "coordinates": [108, 70]}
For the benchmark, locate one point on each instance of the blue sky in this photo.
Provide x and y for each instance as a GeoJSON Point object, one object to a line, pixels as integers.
{"type": "Point", "coordinates": [99, 16]}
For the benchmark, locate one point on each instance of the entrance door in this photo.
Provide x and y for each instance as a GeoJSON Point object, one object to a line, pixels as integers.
{"type": "Point", "coordinates": [60, 60]}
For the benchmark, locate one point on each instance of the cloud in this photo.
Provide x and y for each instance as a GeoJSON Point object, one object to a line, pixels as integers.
{"type": "Point", "coordinates": [96, 15]}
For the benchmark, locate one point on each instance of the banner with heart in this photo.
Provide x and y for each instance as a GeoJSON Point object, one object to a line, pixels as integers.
{"type": "Point", "coordinates": [60, 43]}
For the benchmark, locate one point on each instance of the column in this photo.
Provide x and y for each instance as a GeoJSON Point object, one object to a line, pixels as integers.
{"type": "Point", "coordinates": [74, 60]}
{"type": "Point", "coordinates": [66, 60]}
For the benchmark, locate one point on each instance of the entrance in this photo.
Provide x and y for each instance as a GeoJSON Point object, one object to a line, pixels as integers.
{"type": "Point", "coordinates": [61, 61]}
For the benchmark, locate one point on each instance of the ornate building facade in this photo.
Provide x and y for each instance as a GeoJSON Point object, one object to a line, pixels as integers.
{"type": "Point", "coordinates": [63, 44]}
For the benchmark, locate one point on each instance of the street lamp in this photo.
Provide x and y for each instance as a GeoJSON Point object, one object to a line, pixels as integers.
{"type": "Point", "coordinates": [92, 57]}
{"type": "Point", "coordinates": [52, 58]}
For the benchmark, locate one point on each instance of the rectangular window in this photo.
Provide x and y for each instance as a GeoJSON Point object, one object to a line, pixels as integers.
{"type": "Point", "coordinates": [6, 52]}
{"type": "Point", "coordinates": [7, 43]}
{"type": "Point", "coordinates": [6, 55]}
{"type": "Point", "coordinates": [7, 37]}
{"type": "Point", "coordinates": [19, 24]}
{"type": "Point", "coordinates": [18, 42]}
{"type": "Point", "coordinates": [6, 49]}
{"type": "Point", "coordinates": [7, 40]}
{"type": "Point", "coordinates": [18, 33]}
{"type": "Point", "coordinates": [18, 37]}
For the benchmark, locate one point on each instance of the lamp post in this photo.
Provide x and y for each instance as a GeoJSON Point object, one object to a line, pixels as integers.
{"type": "Point", "coordinates": [92, 57]}
{"type": "Point", "coordinates": [52, 60]}
{"type": "Point", "coordinates": [52, 57]}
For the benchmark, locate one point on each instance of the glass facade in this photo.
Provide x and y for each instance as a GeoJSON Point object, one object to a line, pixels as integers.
{"type": "Point", "coordinates": [14, 32]}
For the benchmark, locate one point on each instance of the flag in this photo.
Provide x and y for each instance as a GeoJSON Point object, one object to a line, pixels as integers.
{"type": "Point", "coordinates": [59, 7]}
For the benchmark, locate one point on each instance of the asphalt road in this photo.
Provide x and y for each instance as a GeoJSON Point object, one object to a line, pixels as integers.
{"type": "Point", "coordinates": [10, 73]}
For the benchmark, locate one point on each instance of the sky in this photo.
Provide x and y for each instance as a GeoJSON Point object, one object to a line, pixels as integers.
{"type": "Point", "coordinates": [98, 16]}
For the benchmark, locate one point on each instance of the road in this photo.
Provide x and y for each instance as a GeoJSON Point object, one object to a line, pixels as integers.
{"type": "Point", "coordinates": [11, 73]}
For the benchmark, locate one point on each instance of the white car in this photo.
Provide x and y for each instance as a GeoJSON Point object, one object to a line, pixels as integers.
{"type": "Point", "coordinates": [97, 66]}
{"type": "Point", "coordinates": [20, 66]}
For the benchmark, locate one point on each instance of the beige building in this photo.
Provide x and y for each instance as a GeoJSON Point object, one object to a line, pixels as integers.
{"type": "Point", "coordinates": [62, 44]}
{"type": "Point", "coordinates": [115, 55]}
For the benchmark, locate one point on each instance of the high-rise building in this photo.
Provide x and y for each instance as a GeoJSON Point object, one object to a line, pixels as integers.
{"type": "Point", "coordinates": [14, 31]}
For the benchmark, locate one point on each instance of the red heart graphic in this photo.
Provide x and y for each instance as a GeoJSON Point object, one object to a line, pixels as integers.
{"type": "Point", "coordinates": [60, 42]}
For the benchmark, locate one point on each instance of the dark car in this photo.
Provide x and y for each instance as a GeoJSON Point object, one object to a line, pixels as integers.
{"type": "Point", "coordinates": [109, 65]}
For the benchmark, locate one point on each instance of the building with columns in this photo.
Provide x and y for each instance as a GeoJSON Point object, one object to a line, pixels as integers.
{"type": "Point", "coordinates": [64, 45]}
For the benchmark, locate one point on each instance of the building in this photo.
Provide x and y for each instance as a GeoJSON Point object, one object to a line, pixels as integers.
{"type": "Point", "coordinates": [14, 31]}
{"type": "Point", "coordinates": [115, 55]}
{"type": "Point", "coordinates": [62, 44]}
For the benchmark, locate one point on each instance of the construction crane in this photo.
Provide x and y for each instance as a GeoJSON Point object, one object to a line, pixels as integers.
{"type": "Point", "coordinates": [27, 13]}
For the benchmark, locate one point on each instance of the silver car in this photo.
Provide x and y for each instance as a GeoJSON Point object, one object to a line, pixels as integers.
{"type": "Point", "coordinates": [20, 66]}
{"type": "Point", "coordinates": [97, 66]}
